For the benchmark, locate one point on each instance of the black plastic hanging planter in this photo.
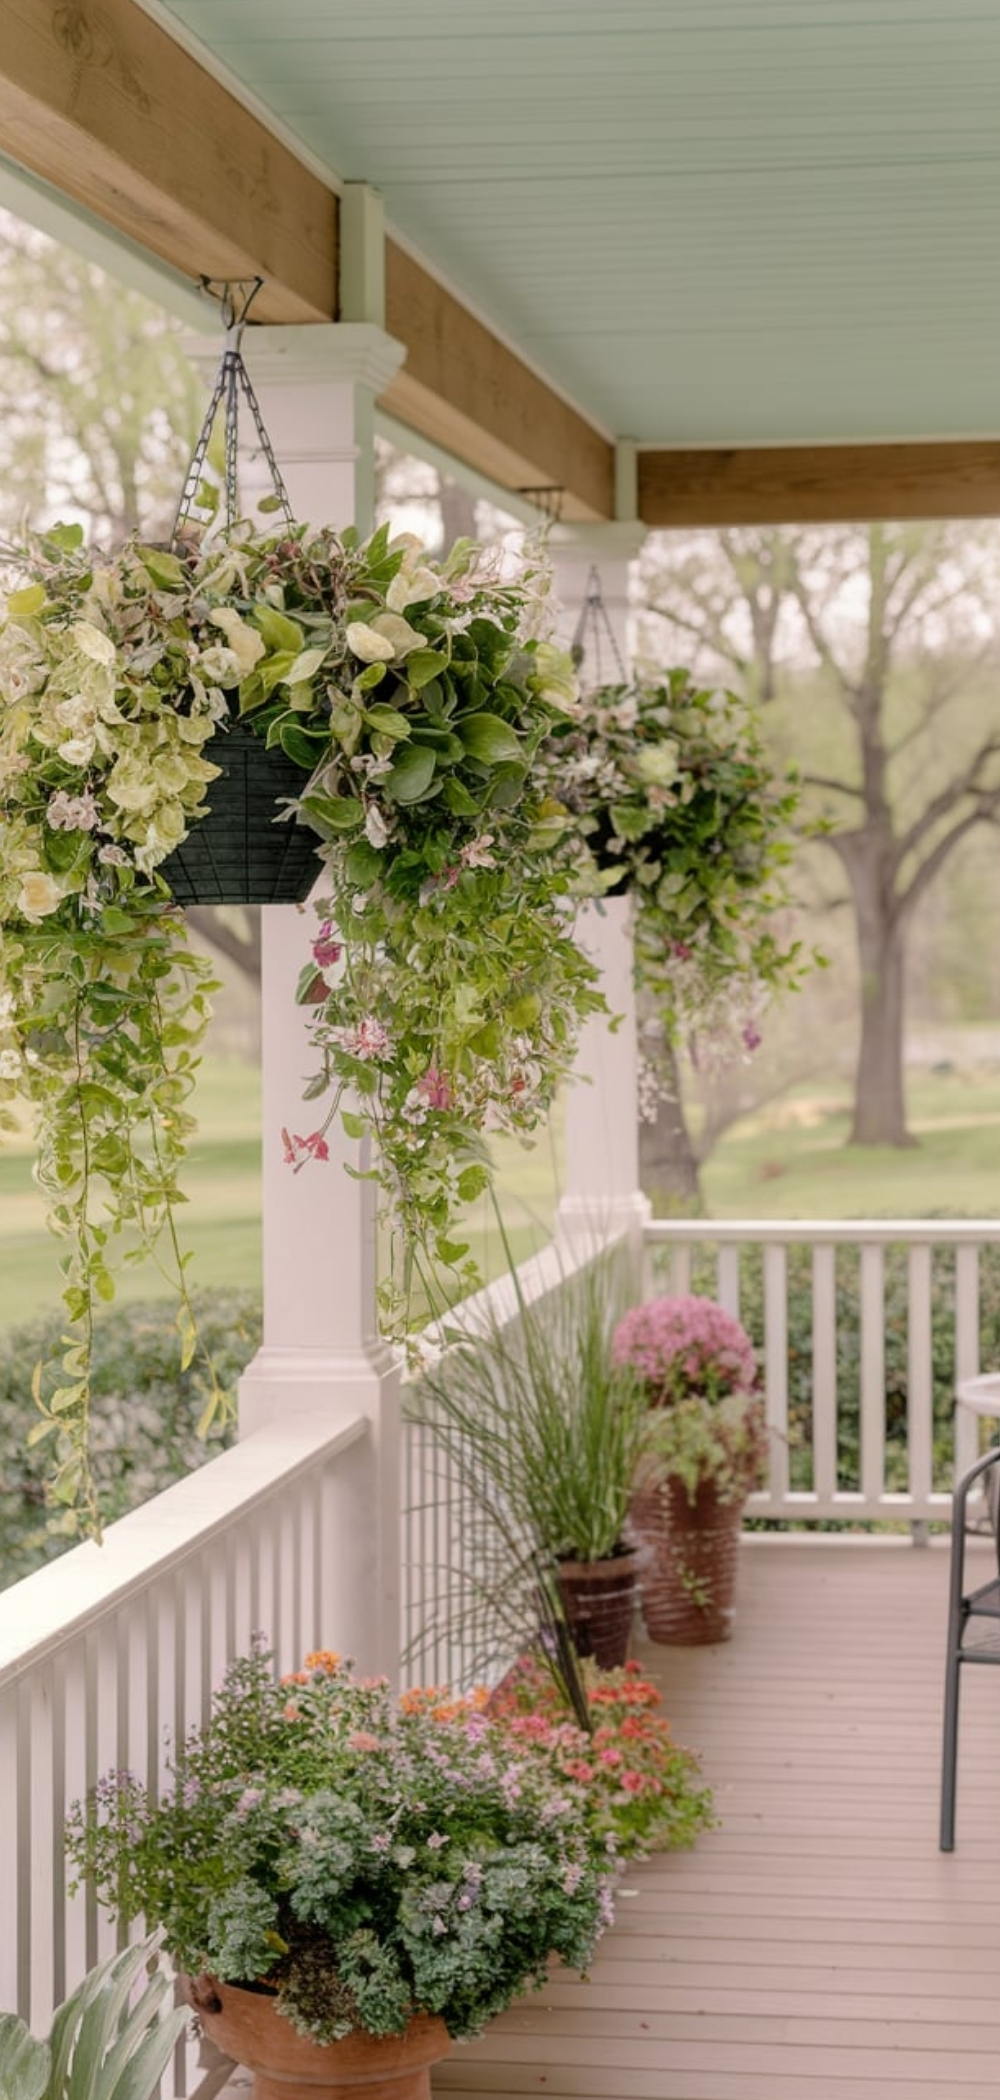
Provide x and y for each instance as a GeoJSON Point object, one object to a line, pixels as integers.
{"type": "Point", "coordinates": [245, 849]}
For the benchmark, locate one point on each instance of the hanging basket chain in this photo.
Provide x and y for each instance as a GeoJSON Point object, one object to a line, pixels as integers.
{"type": "Point", "coordinates": [593, 628]}
{"type": "Point", "coordinates": [232, 380]}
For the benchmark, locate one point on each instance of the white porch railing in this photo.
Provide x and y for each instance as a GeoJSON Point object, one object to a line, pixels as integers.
{"type": "Point", "coordinates": [109, 1651]}
{"type": "Point", "coordinates": [814, 1298]}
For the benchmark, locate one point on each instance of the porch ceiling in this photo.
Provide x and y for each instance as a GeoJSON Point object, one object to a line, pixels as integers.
{"type": "Point", "coordinates": [720, 222]}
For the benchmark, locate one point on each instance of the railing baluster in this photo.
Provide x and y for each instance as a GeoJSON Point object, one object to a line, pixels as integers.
{"type": "Point", "coordinates": [680, 1270]}
{"type": "Point", "coordinates": [873, 1373]}
{"type": "Point", "coordinates": [776, 1365]}
{"type": "Point", "coordinates": [824, 1372]}
{"type": "Point", "coordinates": [728, 1283]}
{"type": "Point", "coordinates": [919, 1372]}
{"type": "Point", "coordinates": [966, 1351]}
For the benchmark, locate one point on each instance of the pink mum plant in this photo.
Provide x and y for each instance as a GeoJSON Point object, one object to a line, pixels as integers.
{"type": "Point", "coordinates": [686, 1348]}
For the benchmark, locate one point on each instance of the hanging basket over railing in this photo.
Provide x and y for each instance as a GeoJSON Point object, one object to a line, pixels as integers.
{"type": "Point", "coordinates": [245, 848]}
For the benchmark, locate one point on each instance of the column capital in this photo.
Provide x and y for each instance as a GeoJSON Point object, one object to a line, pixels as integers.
{"type": "Point", "coordinates": [309, 354]}
{"type": "Point", "coordinates": [620, 539]}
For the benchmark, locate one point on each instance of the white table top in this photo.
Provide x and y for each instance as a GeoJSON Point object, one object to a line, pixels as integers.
{"type": "Point", "coordinates": [981, 1394]}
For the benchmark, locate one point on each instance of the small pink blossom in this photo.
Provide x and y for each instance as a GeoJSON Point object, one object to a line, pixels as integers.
{"type": "Point", "coordinates": [752, 1037]}
{"type": "Point", "coordinates": [361, 1740]}
{"type": "Point", "coordinates": [326, 951]}
{"type": "Point", "coordinates": [435, 1089]}
{"type": "Point", "coordinates": [299, 1149]}
{"type": "Point", "coordinates": [369, 1039]}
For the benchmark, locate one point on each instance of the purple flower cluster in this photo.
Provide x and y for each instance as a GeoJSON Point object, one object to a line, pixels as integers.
{"type": "Point", "coordinates": [684, 1348]}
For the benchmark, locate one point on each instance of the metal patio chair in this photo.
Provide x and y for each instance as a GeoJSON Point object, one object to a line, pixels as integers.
{"type": "Point", "coordinates": [965, 1607]}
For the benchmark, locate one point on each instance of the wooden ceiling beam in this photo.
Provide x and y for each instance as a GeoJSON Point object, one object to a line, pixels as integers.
{"type": "Point", "coordinates": [100, 102]}
{"type": "Point", "coordinates": [463, 388]}
{"type": "Point", "coordinates": [819, 484]}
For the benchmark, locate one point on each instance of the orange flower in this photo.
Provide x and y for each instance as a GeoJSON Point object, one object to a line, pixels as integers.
{"type": "Point", "coordinates": [323, 1659]}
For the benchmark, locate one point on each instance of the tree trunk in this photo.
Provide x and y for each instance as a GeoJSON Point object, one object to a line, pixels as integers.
{"type": "Point", "coordinates": [668, 1168]}
{"type": "Point", "coordinates": [879, 1092]}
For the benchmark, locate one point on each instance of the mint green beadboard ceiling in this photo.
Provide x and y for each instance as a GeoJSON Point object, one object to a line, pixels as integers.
{"type": "Point", "coordinates": [706, 221]}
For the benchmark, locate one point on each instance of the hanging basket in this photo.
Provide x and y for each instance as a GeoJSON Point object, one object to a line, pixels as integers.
{"type": "Point", "coordinates": [245, 849]}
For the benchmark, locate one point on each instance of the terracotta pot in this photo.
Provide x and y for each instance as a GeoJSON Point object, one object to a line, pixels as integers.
{"type": "Point", "coordinates": [599, 1601]}
{"type": "Point", "coordinates": [247, 2026]}
{"type": "Point", "coordinates": [688, 1561]}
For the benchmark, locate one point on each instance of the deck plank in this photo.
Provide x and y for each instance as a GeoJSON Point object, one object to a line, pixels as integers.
{"type": "Point", "coordinates": [817, 1946]}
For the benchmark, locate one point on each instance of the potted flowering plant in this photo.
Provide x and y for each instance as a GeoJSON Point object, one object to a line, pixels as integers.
{"type": "Point", "coordinates": [408, 699]}
{"type": "Point", "coordinates": [640, 1788]}
{"type": "Point", "coordinates": [337, 1873]}
{"type": "Point", "coordinates": [673, 798]}
{"type": "Point", "coordinates": [705, 1448]}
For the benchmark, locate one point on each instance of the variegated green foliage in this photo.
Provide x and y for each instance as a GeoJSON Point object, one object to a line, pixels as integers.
{"type": "Point", "coordinates": [112, 2040]}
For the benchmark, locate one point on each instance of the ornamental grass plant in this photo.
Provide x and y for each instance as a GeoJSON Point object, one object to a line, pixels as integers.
{"type": "Point", "coordinates": [367, 1860]}
{"type": "Point", "coordinates": [539, 1432]}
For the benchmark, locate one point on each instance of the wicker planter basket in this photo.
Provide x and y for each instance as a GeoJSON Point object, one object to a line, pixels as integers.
{"type": "Point", "coordinates": [688, 1561]}
{"type": "Point", "coordinates": [243, 851]}
{"type": "Point", "coordinates": [598, 1598]}
{"type": "Point", "coordinates": [286, 2065]}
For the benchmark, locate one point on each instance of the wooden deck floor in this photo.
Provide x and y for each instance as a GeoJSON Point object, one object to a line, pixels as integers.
{"type": "Point", "coordinates": [817, 1946]}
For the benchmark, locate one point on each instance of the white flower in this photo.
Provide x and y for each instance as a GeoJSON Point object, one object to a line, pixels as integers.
{"type": "Point", "coordinates": [39, 894]}
{"type": "Point", "coordinates": [221, 666]}
{"type": "Point", "coordinates": [658, 763]}
{"type": "Point", "coordinates": [91, 642]}
{"type": "Point", "coordinates": [376, 828]}
{"type": "Point", "coordinates": [78, 750]}
{"type": "Point", "coordinates": [112, 856]}
{"type": "Point", "coordinates": [10, 1064]}
{"type": "Point", "coordinates": [75, 713]}
{"type": "Point", "coordinates": [372, 648]}
{"type": "Point", "coordinates": [7, 1005]}
{"type": "Point", "coordinates": [246, 644]}
{"type": "Point", "coordinates": [72, 812]}
{"type": "Point", "coordinates": [477, 853]}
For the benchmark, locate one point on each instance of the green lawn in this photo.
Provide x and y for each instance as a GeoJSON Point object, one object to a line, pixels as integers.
{"type": "Point", "coordinates": [221, 1221]}
{"type": "Point", "coordinates": [793, 1161]}
{"type": "Point", "coordinates": [789, 1161]}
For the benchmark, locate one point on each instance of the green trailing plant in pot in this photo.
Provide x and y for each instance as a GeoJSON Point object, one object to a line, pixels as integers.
{"type": "Point", "coordinates": [339, 1874]}
{"type": "Point", "coordinates": [705, 1448]}
{"type": "Point", "coordinates": [541, 1433]}
{"type": "Point", "coordinates": [444, 988]}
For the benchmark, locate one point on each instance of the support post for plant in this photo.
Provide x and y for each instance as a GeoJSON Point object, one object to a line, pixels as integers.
{"type": "Point", "coordinates": [321, 1353]}
{"type": "Point", "coordinates": [601, 1191]}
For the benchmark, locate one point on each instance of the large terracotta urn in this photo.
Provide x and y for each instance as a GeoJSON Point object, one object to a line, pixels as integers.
{"type": "Point", "coordinates": [689, 1550]}
{"type": "Point", "coordinates": [286, 2065]}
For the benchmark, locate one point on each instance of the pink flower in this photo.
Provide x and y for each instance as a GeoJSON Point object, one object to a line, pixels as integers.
{"type": "Point", "coordinates": [752, 1037]}
{"type": "Point", "coordinates": [326, 950]}
{"type": "Point", "coordinates": [435, 1089]}
{"type": "Point", "coordinates": [299, 1149]}
{"type": "Point", "coordinates": [361, 1740]}
{"type": "Point", "coordinates": [686, 1345]}
{"type": "Point", "coordinates": [368, 1039]}
{"type": "Point", "coordinates": [611, 1757]}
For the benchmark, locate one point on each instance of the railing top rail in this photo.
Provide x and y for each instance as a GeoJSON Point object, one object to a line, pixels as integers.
{"type": "Point", "coordinates": [59, 1602]}
{"type": "Point", "coordinates": [824, 1232]}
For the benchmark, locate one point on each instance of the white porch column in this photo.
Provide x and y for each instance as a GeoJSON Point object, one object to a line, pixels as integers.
{"type": "Point", "coordinates": [602, 1192]}
{"type": "Point", "coordinates": [321, 1353]}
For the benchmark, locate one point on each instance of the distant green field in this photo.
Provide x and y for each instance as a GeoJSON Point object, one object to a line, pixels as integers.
{"type": "Point", "coordinates": [793, 1160]}
{"type": "Point", "coordinates": [221, 1220]}
{"type": "Point", "coordinates": [790, 1161]}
